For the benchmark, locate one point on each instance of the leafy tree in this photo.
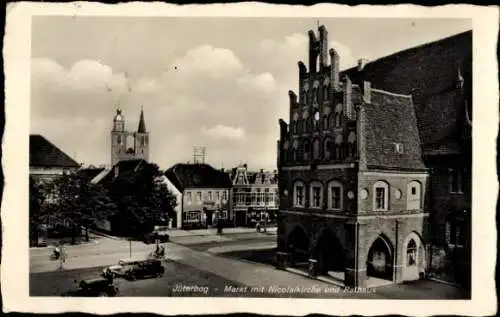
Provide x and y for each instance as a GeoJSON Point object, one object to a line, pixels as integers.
{"type": "Point", "coordinates": [143, 194]}
{"type": "Point", "coordinates": [81, 203]}
{"type": "Point", "coordinates": [35, 209]}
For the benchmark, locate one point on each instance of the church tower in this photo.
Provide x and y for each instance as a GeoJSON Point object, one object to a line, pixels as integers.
{"type": "Point", "coordinates": [127, 145]}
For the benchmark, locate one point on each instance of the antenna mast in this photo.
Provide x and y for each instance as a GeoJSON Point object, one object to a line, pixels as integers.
{"type": "Point", "coordinates": [199, 154]}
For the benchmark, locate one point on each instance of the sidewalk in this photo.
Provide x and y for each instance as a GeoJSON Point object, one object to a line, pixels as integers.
{"type": "Point", "coordinates": [213, 231]}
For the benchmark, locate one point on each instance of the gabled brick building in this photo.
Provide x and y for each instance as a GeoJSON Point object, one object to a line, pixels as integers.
{"type": "Point", "coordinates": [374, 164]}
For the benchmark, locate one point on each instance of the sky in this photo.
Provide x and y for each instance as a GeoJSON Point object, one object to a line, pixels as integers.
{"type": "Point", "coordinates": [221, 83]}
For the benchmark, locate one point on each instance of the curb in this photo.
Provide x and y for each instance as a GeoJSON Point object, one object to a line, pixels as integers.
{"type": "Point", "coordinates": [444, 282]}
{"type": "Point", "coordinates": [92, 242]}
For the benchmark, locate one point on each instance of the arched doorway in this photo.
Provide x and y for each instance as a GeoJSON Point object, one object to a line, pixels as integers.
{"type": "Point", "coordinates": [298, 247]}
{"type": "Point", "coordinates": [330, 254]}
{"type": "Point", "coordinates": [380, 259]}
{"type": "Point", "coordinates": [414, 258]}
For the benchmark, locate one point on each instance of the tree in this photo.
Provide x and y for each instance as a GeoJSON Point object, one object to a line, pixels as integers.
{"type": "Point", "coordinates": [80, 203]}
{"type": "Point", "coordinates": [35, 209]}
{"type": "Point", "coordinates": [143, 194]}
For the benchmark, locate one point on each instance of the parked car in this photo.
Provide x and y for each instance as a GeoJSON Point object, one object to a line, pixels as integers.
{"type": "Point", "coordinates": [147, 268]}
{"type": "Point", "coordinates": [151, 237]}
{"type": "Point", "coordinates": [121, 268]}
{"type": "Point", "coordinates": [96, 287]}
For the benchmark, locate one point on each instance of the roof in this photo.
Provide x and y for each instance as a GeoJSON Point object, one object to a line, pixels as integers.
{"type": "Point", "coordinates": [122, 169]}
{"type": "Point", "coordinates": [429, 73]}
{"type": "Point", "coordinates": [142, 124]}
{"type": "Point", "coordinates": [389, 120]}
{"type": "Point", "coordinates": [43, 153]}
{"type": "Point", "coordinates": [185, 176]}
{"type": "Point", "coordinates": [91, 172]}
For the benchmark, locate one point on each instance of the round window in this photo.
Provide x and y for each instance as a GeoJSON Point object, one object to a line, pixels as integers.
{"type": "Point", "coordinates": [350, 194]}
{"type": "Point", "coordinates": [364, 194]}
{"type": "Point", "coordinates": [398, 194]}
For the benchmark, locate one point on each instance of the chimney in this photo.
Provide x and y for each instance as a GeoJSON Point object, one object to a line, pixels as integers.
{"type": "Point", "coordinates": [222, 169]}
{"type": "Point", "coordinates": [348, 97]}
{"type": "Point", "coordinates": [362, 63]}
{"type": "Point", "coordinates": [323, 46]}
{"type": "Point", "coordinates": [334, 75]}
{"type": "Point", "coordinates": [367, 92]}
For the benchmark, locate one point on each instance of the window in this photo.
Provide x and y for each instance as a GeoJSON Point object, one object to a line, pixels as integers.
{"type": "Point", "coordinates": [337, 119]}
{"type": "Point", "coordinates": [198, 196]}
{"type": "Point", "coordinates": [299, 194]}
{"type": "Point", "coordinates": [399, 148]}
{"type": "Point", "coordinates": [217, 195]}
{"type": "Point", "coordinates": [331, 121]}
{"type": "Point", "coordinates": [224, 195]}
{"type": "Point", "coordinates": [381, 190]}
{"type": "Point", "coordinates": [455, 181]}
{"type": "Point", "coordinates": [335, 195]}
{"type": "Point", "coordinates": [414, 195]}
{"type": "Point", "coordinates": [316, 195]}
{"type": "Point", "coordinates": [325, 122]}
{"type": "Point", "coordinates": [209, 195]}
{"type": "Point", "coordinates": [189, 198]}
{"type": "Point", "coordinates": [411, 253]}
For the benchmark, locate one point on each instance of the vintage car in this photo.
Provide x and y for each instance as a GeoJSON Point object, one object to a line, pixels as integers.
{"type": "Point", "coordinates": [121, 268]}
{"type": "Point", "coordinates": [95, 287]}
{"type": "Point", "coordinates": [146, 268]}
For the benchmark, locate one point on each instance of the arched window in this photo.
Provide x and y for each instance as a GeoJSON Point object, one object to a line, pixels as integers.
{"type": "Point", "coordinates": [328, 149]}
{"type": "Point", "coordinates": [411, 253]}
{"type": "Point", "coordinates": [335, 195]}
{"type": "Point", "coordinates": [315, 95]}
{"type": "Point", "coordinates": [413, 195]}
{"type": "Point", "coordinates": [381, 196]}
{"type": "Point", "coordinates": [316, 148]}
{"type": "Point", "coordinates": [325, 92]}
{"type": "Point", "coordinates": [325, 122]}
{"type": "Point", "coordinates": [351, 146]}
{"type": "Point", "coordinates": [307, 149]}
{"type": "Point", "coordinates": [298, 194]}
{"type": "Point", "coordinates": [316, 194]}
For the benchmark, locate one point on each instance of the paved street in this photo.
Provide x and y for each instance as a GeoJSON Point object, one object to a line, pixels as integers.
{"type": "Point", "coordinates": [212, 261]}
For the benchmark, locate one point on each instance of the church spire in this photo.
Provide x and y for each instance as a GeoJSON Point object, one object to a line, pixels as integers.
{"type": "Point", "coordinates": [142, 124]}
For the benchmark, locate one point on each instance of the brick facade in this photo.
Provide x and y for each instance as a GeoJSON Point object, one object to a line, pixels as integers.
{"type": "Point", "coordinates": [353, 185]}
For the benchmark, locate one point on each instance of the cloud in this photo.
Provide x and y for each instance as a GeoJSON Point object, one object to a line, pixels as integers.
{"type": "Point", "coordinates": [258, 83]}
{"type": "Point", "coordinates": [225, 132]}
{"type": "Point", "coordinates": [209, 60]}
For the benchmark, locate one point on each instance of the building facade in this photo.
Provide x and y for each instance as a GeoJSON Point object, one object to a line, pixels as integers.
{"type": "Point", "coordinates": [357, 193]}
{"type": "Point", "coordinates": [205, 195]}
{"type": "Point", "coordinates": [255, 196]}
{"type": "Point", "coordinates": [128, 145]}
